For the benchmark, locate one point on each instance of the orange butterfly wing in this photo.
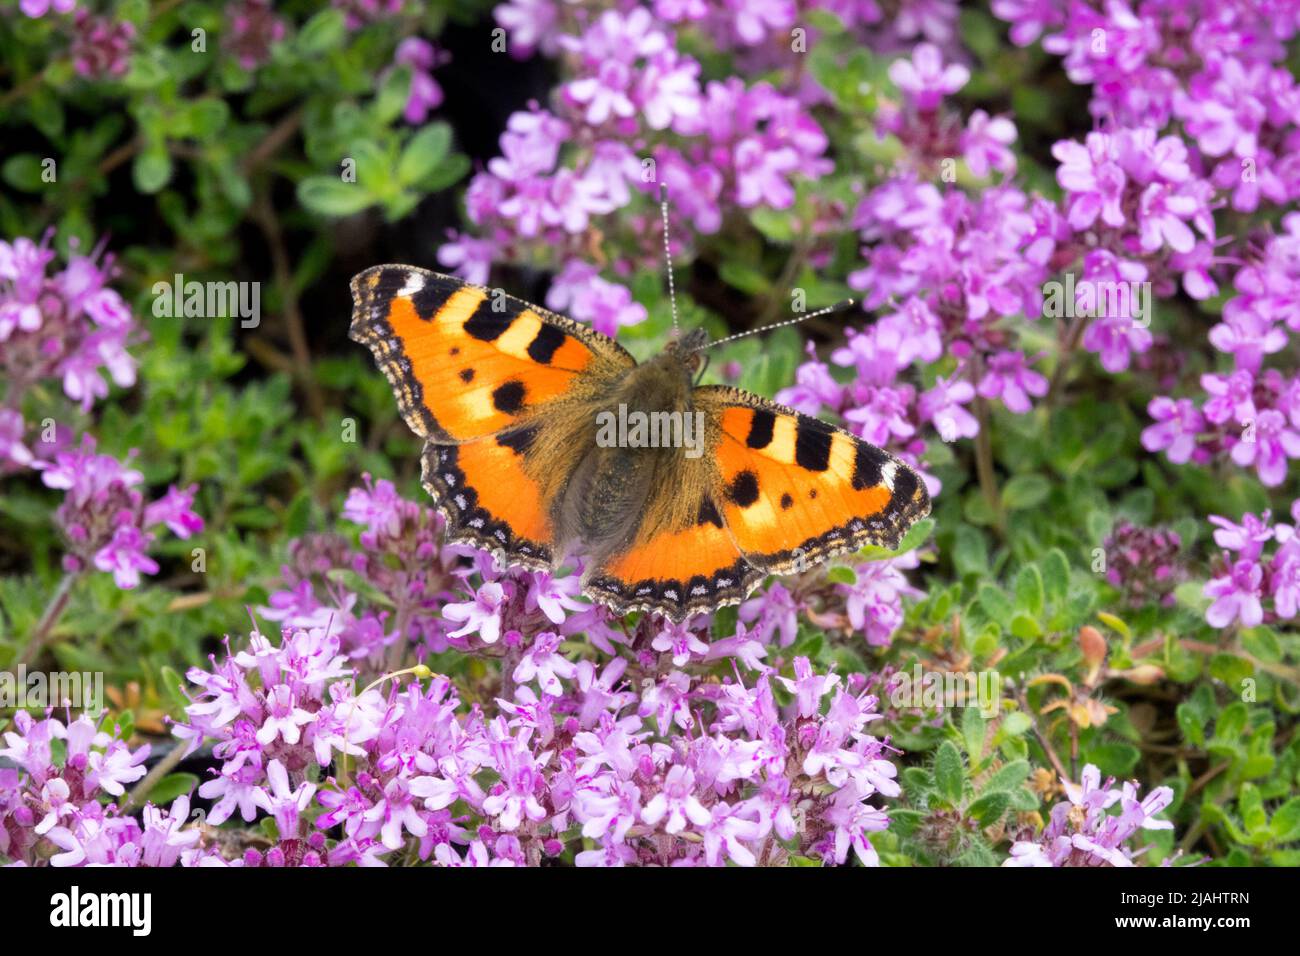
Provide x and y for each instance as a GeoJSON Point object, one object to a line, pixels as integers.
{"type": "Point", "coordinates": [474, 372]}
{"type": "Point", "coordinates": [794, 490]}
{"type": "Point", "coordinates": [464, 361]}
{"type": "Point", "coordinates": [783, 492]}
{"type": "Point", "coordinates": [677, 572]}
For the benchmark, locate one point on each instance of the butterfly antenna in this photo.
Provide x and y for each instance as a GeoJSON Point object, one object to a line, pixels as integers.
{"type": "Point", "coordinates": [668, 255]}
{"type": "Point", "coordinates": [841, 306]}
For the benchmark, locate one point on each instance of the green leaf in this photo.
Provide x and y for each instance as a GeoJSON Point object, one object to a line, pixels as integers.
{"type": "Point", "coordinates": [322, 33]}
{"type": "Point", "coordinates": [1285, 825]}
{"type": "Point", "coordinates": [981, 33]}
{"type": "Point", "coordinates": [449, 172]}
{"type": "Point", "coordinates": [1025, 626]}
{"type": "Point", "coordinates": [170, 685]}
{"type": "Point", "coordinates": [972, 731]}
{"type": "Point", "coordinates": [996, 603]}
{"type": "Point", "coordinates": [1030, 593]}
{"type": "Point", "coordinates": [1116, 624]}
{"type": "Point", "coordinates": [170, 787]}
{"type": "Point", "coordinates": [842, 575]}
{"type": "Point", "coordinates": [423, 153]}
{"type": "Point", "coordinates": [916, 780]}
{"type": "Point", "coordinates": [392, 96]}
{"type": "Point", "coordinates": [1023, 800]}
{"type": "Point", "coordinates": [23, 171]}
{"type": "Point", "coordinates": [745, 277]}
{"type": "Point", "coordinates": [1056, 576]}
{"type": "Point", "coordinates": [208, 117]}
{"type": "Point", "coordinates": [904, 821]}
{"type": "Point", "coordinates": [1231, 724]}
{"type": "Point", "coordinates": [122, 726]}
{"type": "Point", "coordinates": [987, 641]}
{"type": "Point", "coordinates": [988, 809]}
{"type": "Point", "coordinates": [299, 516]}
{"type": "Point", "coordinates": [45, 110]}
{"type": "Point", "coordinates": [1212, 813]}
{"type": "Point", "coordinates": [147, 71]}
{"type": "Point", "coordinates": [1251, 805]}
{"type": "Point", "coordinates": [1025, 491]}
{"type": "Point", "coordinates": [134, 11]}
{"type": "Point", "coordinates": [949, 775]}
{"type": "Point", "coordinates": [775, 224]}
{"type": "Point", "coordinates": [970, 552]}
{"type": "Point", "coordinates": [915, 537]}
{"type": "Point", "coordinates": [1016, 723]}
{"type": "Point", "coordinates": [328, 196]}
{"type": "Point", "coordinates": [152, 169]}
{"type": "Point", "coordinates": [1009, 775]}
{"type": "Point", "coordinates": [1115, 759]}
{"type": "Point", "coordinates": [1192, 715]}
{"type": "Point", "coordinates": [1231, 669]}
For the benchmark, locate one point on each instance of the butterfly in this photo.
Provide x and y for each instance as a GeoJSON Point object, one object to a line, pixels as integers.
{"type": "Point", "coordinates": [545, 439]}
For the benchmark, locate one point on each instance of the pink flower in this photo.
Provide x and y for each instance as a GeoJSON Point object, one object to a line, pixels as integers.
{"type": "Point", "coordinates": [668, 90]}
{"type": "Point", "coordinates": [1247, 538]}
{"type": "Point", "coordinates": [531, 25]}
{"type": "Point", "coordinates": [116, 766]}
{"type": "Point", "coordinates": [124, 555]}
{"type": "Point", "coordinates": [12, 430]}
{"type": "Point", "coordinates": [468, 257]}
{"type": "Point", "coordinates": [175, 509]}
{"type": "Point", "coordinates": [942, 405]}
{"type": "Point", "coordinates": [285, 803]}
{"type": "Point", "coordinates": [984, 144]}
{"type": "Point", "coordinates": [1274, 442]}
{"type": "Point", "coordinates": [1090, 173]}
{"type": "Point", "coordinates": [681, 641]}
{"type": "Point", "coordinates": [604, 94]}
{"type": "Point", "coordinates": [1179, 423]}
{"type": "Point", "coordinates": [1010, 379]}
{"type": "Point", "coordinates": [38, 8]}
{"type": "Point", "coordinates": [543, 662]}
{"type": "Point", "coordinates": [1236, 596]}
{"type": "Point", "coordinates": [925, 79]}
{"type": "Point", "coordinates": [1160, 218]}
{"type": "Point", "coordinates": [676, 802]}
{"type": "Point", "coordinates": [481, 616]}
{"type": "Point", "coordinates": [579, 290]}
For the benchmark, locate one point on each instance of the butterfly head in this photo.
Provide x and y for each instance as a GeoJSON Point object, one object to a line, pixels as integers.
{"type": "Point", "coordinates": [687, 348]}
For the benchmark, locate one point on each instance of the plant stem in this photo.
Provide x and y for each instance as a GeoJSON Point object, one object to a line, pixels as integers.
{"type": "Point", "coordinates": [1290, 674]}
{"type": "Point", "coordinates": [118, 156]}
{"type": "Point", "coordinates": [41, 633]}
{"type": "Point", "coordinates": [156, 773]}
{"type": "Point", "coordinates": [264, 213]}
{"type": "Point", "coordinates": [1073, 335]}
{"type": "Point", "coordinates": [509, 660]}
{"type": "Point", "coordinates": [397, 653]}
{"type": "Point", "coordinates": [1042, 738]}
{"type": "Point", "coordinates": [984, 466]}
{"type": "Point", "coordinates": [280, 134]}
{"type": "Point", "coordinates": [782, 286]}
{"type": "Point", "coordinates": [22, 89]}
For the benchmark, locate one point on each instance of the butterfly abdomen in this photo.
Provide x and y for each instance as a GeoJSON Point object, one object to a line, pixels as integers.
{"type": "Point", "coordinates": [631, 440]}
{"type": "Point", "coordinates": [603, 502]}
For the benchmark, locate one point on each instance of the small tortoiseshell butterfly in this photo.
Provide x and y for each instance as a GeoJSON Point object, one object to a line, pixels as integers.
{"type": "Point", "coordinates": [511, 400]}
